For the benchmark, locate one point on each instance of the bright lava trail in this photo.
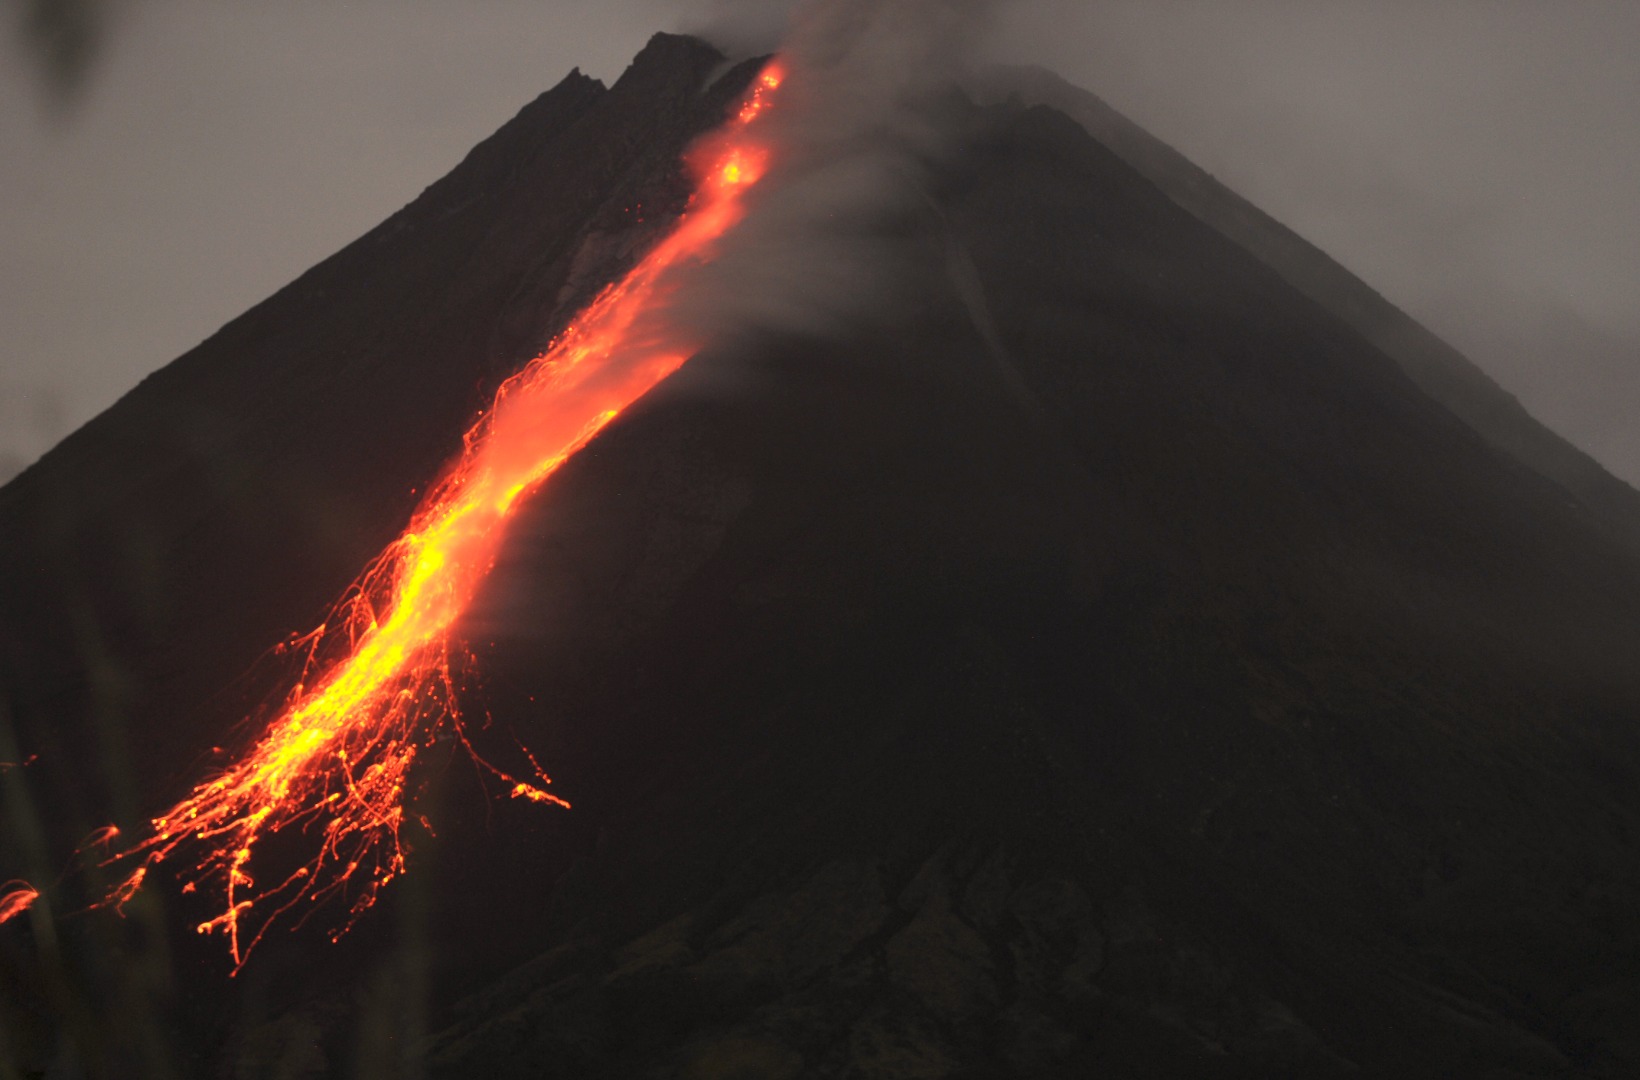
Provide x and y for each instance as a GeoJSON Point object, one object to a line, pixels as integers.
{"type": "Point", "coordinates": [332, 766]}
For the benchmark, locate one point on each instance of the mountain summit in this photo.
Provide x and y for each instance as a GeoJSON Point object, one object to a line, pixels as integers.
{"type": "Point", "coordinates": [1103, 656]}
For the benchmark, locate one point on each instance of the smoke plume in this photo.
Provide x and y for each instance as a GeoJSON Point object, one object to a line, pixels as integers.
{"type": "Point", "coordinates": [854, 139]}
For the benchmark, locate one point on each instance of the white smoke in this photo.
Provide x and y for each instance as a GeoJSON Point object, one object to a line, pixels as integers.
{"type": "Point", "coordinates": [854, 138]}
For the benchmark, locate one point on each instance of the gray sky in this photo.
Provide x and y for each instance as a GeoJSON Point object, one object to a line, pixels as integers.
{"type": "Point", "coordinates": [1475, 160]}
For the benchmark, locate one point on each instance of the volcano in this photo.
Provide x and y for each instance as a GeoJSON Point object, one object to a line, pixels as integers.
{"type": "Point", "coordinates": [1133, 649]}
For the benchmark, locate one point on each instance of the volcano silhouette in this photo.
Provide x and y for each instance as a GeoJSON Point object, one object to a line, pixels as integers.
{"type": "Point", "coordinates": [1137, 651]}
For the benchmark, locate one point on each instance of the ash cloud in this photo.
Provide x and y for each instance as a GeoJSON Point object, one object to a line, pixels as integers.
{"type": "Point", "coordinates": [822, 244]}
{"type": "Point", "coordinates": [741, 28]}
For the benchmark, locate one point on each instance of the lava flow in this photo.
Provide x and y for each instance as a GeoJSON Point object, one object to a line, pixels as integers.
{"type": "Point", "coordinates": [332, 767]}
{"type": "Point", "coordinates": [16, 897]}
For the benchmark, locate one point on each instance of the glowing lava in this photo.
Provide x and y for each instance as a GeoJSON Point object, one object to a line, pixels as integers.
{"type": "Point", "coordinates": [15, 898]}
{"type": "Point", "coordinates": [332, 768]}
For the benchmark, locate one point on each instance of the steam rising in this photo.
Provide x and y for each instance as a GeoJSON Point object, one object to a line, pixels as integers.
{"type": "Point", "coordinates": [853, 143]}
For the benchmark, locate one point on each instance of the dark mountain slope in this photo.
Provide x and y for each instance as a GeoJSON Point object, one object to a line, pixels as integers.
{"type": "Point", "coordinates": [1102, 660]}
{"type": "Point", "coordinates": [1439, 370]}
{"type": "Point", "coordinates": [1224, 708]}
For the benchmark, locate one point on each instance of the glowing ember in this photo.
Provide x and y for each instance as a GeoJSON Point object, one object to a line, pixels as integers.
{"type": "Point", "coordinates": [16, 898]}
{"type": "Point", "coordinates": [332, 767]}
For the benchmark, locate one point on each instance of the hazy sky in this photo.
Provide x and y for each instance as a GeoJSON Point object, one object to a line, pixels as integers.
{"type": "Point", "coordinates": [1475, 160]}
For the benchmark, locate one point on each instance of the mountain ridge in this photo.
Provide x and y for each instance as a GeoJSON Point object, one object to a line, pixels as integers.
{"type": "Point", "coordinates": [1438, 368]}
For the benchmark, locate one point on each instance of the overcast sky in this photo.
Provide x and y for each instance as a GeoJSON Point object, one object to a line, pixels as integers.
{"type": "Point", "coordinates": [1475, 160]}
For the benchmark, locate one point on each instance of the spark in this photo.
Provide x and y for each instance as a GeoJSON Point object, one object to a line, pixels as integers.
{"type": "Point", "coordinates": [16, 897]}
{"type": "Point", "coordinates": [376, 686]}
{"type": "Point", "coordinates": [101, 838]}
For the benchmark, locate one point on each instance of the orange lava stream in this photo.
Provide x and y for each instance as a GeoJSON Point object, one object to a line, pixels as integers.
{"type": "Point", "coordinates": [16, 897]}
{"type": "Point", "coordinates": [333, 765]}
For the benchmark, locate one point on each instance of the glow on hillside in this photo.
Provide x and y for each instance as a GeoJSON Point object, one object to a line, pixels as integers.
{"type": "Point", "coordinates": [330, 771]}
